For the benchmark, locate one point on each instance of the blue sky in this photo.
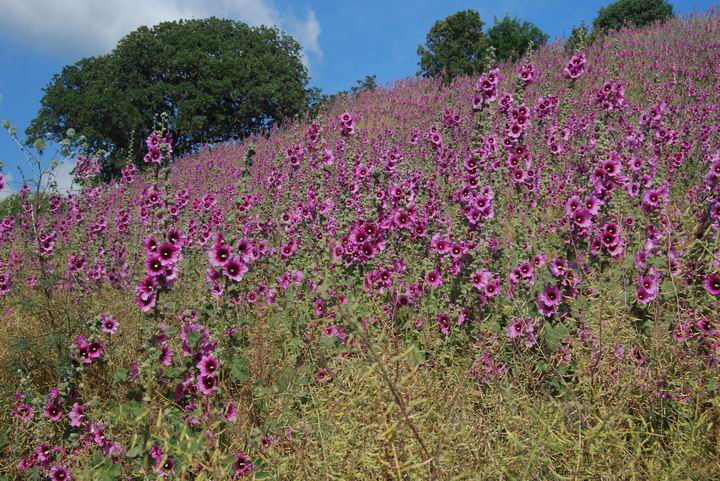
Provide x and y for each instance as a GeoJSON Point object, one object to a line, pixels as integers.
{"type": "Point", "coordinates": [343, 40]}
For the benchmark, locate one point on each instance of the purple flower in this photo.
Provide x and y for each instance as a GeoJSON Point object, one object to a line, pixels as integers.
{"type": "Point", "coordinates": [515, 329]}
{"type": "Point", "coordinates": [582, 218]}
{"type": "Point", "coordinates": [165, 467]}
{"type": "Point", "coordinates": [83, 349]}
{"type": "Point", "coordinates": [443, 323]}
{"type": "Point", "coordinates": [551, 296]}
{"type": "Point", "coordinates": [146, 303]}
{"type": "Point", "coordinates": [154, 265]}
{"type": "Point", "coordinates": [712, 284]}
{"type": "Point", "coordinates": [243, 464]}
{"type": "Point", "coordinates": [169, 253]}
{"type": "Point", "coordinates": [108, 324]}
{"type": "Point", "coordinates": [207, 384]}
{"type": "Point", "coordinates": [166, 356]}
{"type": "Point", "coordinates": [643, 296]}
{"type": "Point", "coordinates": [208, 365]}
{"type": "Point", "coordinates": [234, 269]}
{"type": "Point", "coordinates": [434, 279]}
{"type": "Point", "coordinates": [650, 283]}
{"type": "Point", "coordinates": [220, 254]}
{"type": "Point", "coordinates": [23, 412]}
{"type": "Point", "coordinates": [60, 473]}
{"type": "Point", "coordinates": [53, 411]}
{"type": "Point", "coordinates": [559, 267]}
{"type": "Point", "coordinates": [230, 412]}
{"type": "Point", "coordinates": [153, 140]}
{"type": "Point", "coordinates": [323, 375]}
{"type": "Point", "coordinates": [76, 415]}
{"type": "Point", "coordinates": [95, 350]}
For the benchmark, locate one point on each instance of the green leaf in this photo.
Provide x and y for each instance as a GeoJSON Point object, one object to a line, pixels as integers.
{"type": "Point", "coordinates": [240, 369]}
{"type": "Point", "coordinates": [121, 374]}
{"type": "Point", "coordinates": [555, 335]}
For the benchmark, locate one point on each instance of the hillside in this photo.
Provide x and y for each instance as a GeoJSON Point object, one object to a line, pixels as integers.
{"type": "Point", "coordinates": [511, 277]}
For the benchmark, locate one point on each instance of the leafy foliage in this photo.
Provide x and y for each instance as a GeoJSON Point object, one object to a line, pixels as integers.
{"type": "Point", "coordinates": [458, 45]}
{"type": "Point", "coordinates": [455, 46]}
{"type": "Point", "coordinates": [632, 13]}
{"type": "Point", "coordinates": [512, 38]}
{"type": "Point", "coordinates": [578, 38]}
{"type": "Point", "coordinates": [218, 80]}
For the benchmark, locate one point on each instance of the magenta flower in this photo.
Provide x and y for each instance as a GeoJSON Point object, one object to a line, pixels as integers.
{"type": "Point", "coordinates": [575, 67]}
{"type": "Point", "coordinates": [53, 411]}
{"type": "Point", "coordinates": [712, 284]}
{"type": "Point", "coordinates": [77, 413]}
{"type": "Point", "coordinates": [60, 473]}
{"type": "Point", "coordinates": [230, 412]}
{"type": "Point", "coordinates": [434, 279]}
{"type": "Point", "coordinates": [551, 296]}
{"type": "Point", "coordinates": [154, 265]}
{"type": "Point", "coordinates": [146, 303]}
{"type": "Point", "coordinates": [153, 140]}
{"type": "Point", "coordinates": [165, 467]}
{"type": "Point", "coordinates": [23, 412]}
{"type": "Point", "coordinates": [166, 356]}
{"type": "Point", "coordinates": [443, 322]}
{"type": "Point", "coordinates": [643, 296]}
{"type": "Point", "coordinates": [95, 350]}
{"type": "Point", "coordinates": [220, 255]}
{"type": "Point", "coordinates": [515, 329]}
{"type": "Point", "coordinates": [323, 375]}
{"type": "Point", "coordinates": [83, 349]}
{"type": "Point", "coordinates": [169, 253]}
{"type": "Point", "coordinates": [582, 218]}
{"type": "Point", "coordinates": [208, 365]}
{"type": "Point", "coordinates": [108, 324]}
{"type": "Point", "coordinates": [234, 269]}
{"type": "Point", "coordinates": [207, 384]}
{"type": "Point", "coordinates": [243, 464]}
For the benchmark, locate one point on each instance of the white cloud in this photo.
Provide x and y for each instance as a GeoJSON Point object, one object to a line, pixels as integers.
{"type": "Point", "coordinates": [93, 27]}
{"type": "Point", "coordinates": [306, 32]}
{"type": "Point", "coordinates": [64, 177]}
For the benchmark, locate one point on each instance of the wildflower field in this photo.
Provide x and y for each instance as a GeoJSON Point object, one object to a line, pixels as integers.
{"type": "Point", "coordinates": [515, 276]}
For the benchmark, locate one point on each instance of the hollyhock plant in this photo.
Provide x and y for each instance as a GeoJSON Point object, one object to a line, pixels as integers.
{"type": "Point", "coordinates": [230, 412]}
{"type": "Point", "coordinates": [712, 284]}
{"type": "Point", "coordinates": [23, 412]}
{"type": "Point", "coordinates": [575, 67]}
{"type": "Point", "coordinates": [512, 222]}
{"type": "Point", "coordinates": [53, 411]}
{"type": "Point", "coordinates": [207, 384]}
{"type": "Point", "coordinates": [434, 279]}
{"type": "Point", "coordinates": [108, 324]}
{"type": "Point", "coordinates": [208, 365]}
{"type": "Point", "coordinates": [243, 464]}
{"type": "Point", "coordinates": [76, 415]}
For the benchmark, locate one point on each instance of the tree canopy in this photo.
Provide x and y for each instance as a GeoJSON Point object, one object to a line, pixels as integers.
{"type": "Point", "coordinates": [457, 45]}
{"type": "Point", "coordinates": [217, 79]}
{"type": "Point", "coordinates": [633, 13]}
{"type": "Point", "coordinates": [512, 38]}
